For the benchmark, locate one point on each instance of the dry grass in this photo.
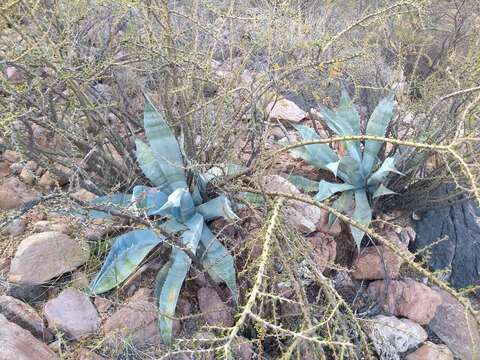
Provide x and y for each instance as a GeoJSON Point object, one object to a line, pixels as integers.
{"type": "Point", "coordinates": [211, 67]}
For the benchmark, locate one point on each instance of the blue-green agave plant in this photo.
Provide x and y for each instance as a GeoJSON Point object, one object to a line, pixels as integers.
{"type": "Point", "coordinates": [180, 212]}
{"type": "Point", "coordinates": [360, 171]}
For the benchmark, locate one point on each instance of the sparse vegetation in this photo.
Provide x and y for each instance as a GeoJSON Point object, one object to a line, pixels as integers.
{"type": "Point", "coordinates": [222, 79]}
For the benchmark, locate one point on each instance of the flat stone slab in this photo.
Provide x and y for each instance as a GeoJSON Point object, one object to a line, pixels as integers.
{"type": "Point", "coordinates": [45, 256]}
{"type": "Point", "coordinates": [25, 316]}
{"type": "Point", "coordinates": [17, 343]}
{"type": "Point", "coordinates": [73, 313]}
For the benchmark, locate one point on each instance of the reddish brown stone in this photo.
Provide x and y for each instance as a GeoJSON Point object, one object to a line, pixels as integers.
{"type": "Point", "coordinates": [406, 298]}
{"type": "Point", "coordinates": [376, 262]}
{"type": "Point", "coordinates": [72, 313]}
{"type": "Point", "coordinates": [42, 257]}
{"type": "Point", "coordinates": [136, 322]}
{"type": "Point", "coordinates": [430, 351]}
{"type": "Point", "coordinates": [17, 343]}
{"type": "Point", "coordinates": [214, 311]}
{"type": "Point", "coordinates": [323, 250]}
{"type": "Point", "coordinates": [456, 327]}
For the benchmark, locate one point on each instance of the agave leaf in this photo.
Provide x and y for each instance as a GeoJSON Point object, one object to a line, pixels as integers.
{"type": "Point", "coordinates": [180, 205]}
{"type": "Point", "coordinates": [327, 189]}
{"type": "Point", "coordinates": [191, 237]}
{"type": "Point", "coordinates": [306, 156]}
{"type": "Point", "coordinates": [347, 111]}
{"type": "Point", "coordinates": [317, 155]}
{"type": "Point", "coordinates": [303, 183]}
{"type": "Point", "coordinates": [377, 125]}
{"type": "Point", "coordinates": [150, 167]}
{"type": "Point", "coordinates": [199, 188]}
{"type": "Point", "coordinates": [164, 146]}
{"type": "Point", "coordinates": [217, 260]}
{"type": "Point", "coordinates": [217, 208]}
{"type": "Point", "coordinates": [341, 204]}
{"type": "Point", "coordinates": [349, 170]}
{"type": "Point", "coordinates": [378, 176]}
{"type": "Point", "coordinates": [333, 167]}
{"type": "Point", "coordinates": [362, 214]}
{"type": "Point", "coordinates": [114, 202]}
{"type": "Point", "coordinates": [173, 226]}
{"type": "Point", "coordinates": [381, 191]}
{"type": "Point", "coordinates": [127, 252]}
{"type": "Point", "coordinates": [168, 283]}
{"type": "Point", "coordinates": [345, 121]}
{"type": "Point", "coordinates": [170, 278]}
{"type": "Point", "coordinates": [149, 200]}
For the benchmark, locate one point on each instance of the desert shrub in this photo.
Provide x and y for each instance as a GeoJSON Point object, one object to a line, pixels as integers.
{"type": "Point", "coordinates": [211, 67]}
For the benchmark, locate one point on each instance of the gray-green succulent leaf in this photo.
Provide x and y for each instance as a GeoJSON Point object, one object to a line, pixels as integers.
{"type": "Point", "coordinates": [149, 200]}
{"type": "Point", "coordinates": [183, 213]}
{"type": "Point", "coordinates": [355, 169]}
{"type": "Point", "coordinates": [381, 191]}
{"type": "Point", "coordinates": [362, 214]}
{"type": "Point", "coordinates": [127, 252]}
{"type": "Point", "coordinates": [219, 207]}
{"type": "Point", "coordinates": [377, 126]}
{"type": "Point", "coordinates": [327, 189]}
{"type": "Point", "coordinates": [303, 183]}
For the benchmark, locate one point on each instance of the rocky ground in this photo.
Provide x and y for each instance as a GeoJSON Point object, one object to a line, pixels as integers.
{"type": "Point", "coordinates": [48, 260]}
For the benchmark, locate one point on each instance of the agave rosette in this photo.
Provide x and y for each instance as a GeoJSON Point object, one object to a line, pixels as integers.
{"type": "Point", "coordinates": [359, 169]}
{"type": "Point", "coordinates": [180, 212]}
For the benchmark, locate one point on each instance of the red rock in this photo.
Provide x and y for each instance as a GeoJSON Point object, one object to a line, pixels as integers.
{"type": "Point", "coordinates": [25, 316]}
{"type": "Point", "coordinates": [214, 311]}
{"type": "Point", "coordinates": [27, 176]}
{"type": "Point", "coordinates": [36, 215]}
{"type": "Point", "coordinates": [4, 169]}
{"type": "Point", "coordinates": [431, 351]}
{"type": "Point", "coordinates": [407, 298]}
{"type": "Point", "coordinates": [276, 133]}
{"type": "Point", "coordinates": [17, 343]}
{"type": "Point", "coordinates": [40, 136]}
{"type": "Point", "coordinates": [324, 227]}
{"type": "Point", "coordinates": [72, 313]}
{"type": "Point", "coordinates": [42, 257]}
{"type": "Point", "coordinates": [456, 328]}
{"type": "Point", "coordinates": [323, 250]}
{"type": "Point", "coordinates": [15, 228]}
{"type": "Point", "coordinates": [11, 156]}
{"type": "Point", "coordinates": [9, 200]}
{"type": "Point", "coordinates": [47, 225]}
{"type": "Point", "coordinates": [31, 165]}
{"type": "Point", "coordinates": [13, 74]}
{"type": "Point", "coordinates": [14, 193]}
{"type": "Point", "coordinates": [102, 304]}
{"type": "Point", "coordinates": [48, 181]}
{"type": "Point", "coordinates": [376, 262]}
{"type": "Point", "coordinates": [135, 322]}
{"type": "Point", "coordinates": [83, 195]}
{"type": "Point", "coordinates": [283, 109]}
